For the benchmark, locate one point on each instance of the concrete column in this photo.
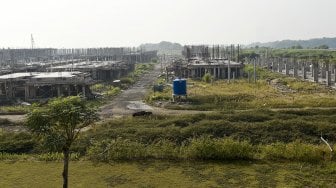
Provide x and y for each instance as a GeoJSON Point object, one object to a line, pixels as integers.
{"type": "Point", "coordinates": [315, 72]}
{"type": "Point", "coordinates": [323, 71]}
{"type": "Point", "coordinates": [58, 90]}
{"type": "Point", "coordinates": [335, 77]}
{"type": "Point", "coordinates": [328, 77]}
{"type": "Point", "coordinates": [69, 90]}
{"type": "Point", "coordinates": [279, 67]}
{"type": "Point", "coordinates": [32, 92]}
{"type": "Point", "coordinates": [295, 69]}
{"type": "Point", "coordinates": [273, 66]}
{"type": "Point", "coordinates": [287, 68]}
{"type": "Point", "coordinates": [214, 73]}
{"type": "Point", "coordinates": [304, 70]}
{"type": "Point", "coordinates": [83, 90]}
{"type": "Point", "coordinates": [26, 92]}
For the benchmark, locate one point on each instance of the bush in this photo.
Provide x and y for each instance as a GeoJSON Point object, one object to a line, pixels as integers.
{"type": "Point", "coordinates": [207, 78]}
{"type": "Point", "coordinates": [17, 143]}
{"type": "Point", "coordinates": [220, 149]}
{"type": "Point", "coordinates": [117, 149]}
{"type": "Point", "coordinates": [295, 151]}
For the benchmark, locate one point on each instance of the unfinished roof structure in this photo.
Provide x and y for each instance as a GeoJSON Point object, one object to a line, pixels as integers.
{"type": "Point", "coordinates": [217, 61]}
{"type": "Point", "coordinates": [99, 70]}
{"type": "Point", "coordinates": [40, 85]}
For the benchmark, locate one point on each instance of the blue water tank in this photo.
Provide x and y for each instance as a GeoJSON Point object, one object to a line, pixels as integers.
{"type": "Point", "coordinates": [180, 87]}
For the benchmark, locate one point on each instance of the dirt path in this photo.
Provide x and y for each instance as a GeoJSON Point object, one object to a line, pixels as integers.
{"type": "Point", "coordinates": [130, 100]}
{"type": "Point", "coordinates": [14, 118]}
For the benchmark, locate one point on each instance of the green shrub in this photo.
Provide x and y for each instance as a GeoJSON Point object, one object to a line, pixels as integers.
{"type": "Point", "coordinates": [220, 149]}
{"type": "Point", "coordinates": [207, 78]}
{"type": "Point", "coordinates": [17, 143]}
{"type": "Point", "coordinates": [295, 151]}
{"type": "Point", "coordinates": [117, 149]}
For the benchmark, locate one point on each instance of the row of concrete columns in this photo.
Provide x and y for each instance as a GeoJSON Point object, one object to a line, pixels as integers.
{"type": "Point", "coordinates": [31, 91]}
{"type": "Point", "coordinates": [317, 72]}
{"type": "Point", "coordinates": [216, 72]}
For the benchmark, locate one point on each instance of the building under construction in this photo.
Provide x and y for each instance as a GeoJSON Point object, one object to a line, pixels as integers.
{"type": "Point", "coordinates": [40, 85]}
{"type": "Point", "coordinates": [99, 70]}
{"type": "Point", "coordinates": [221, 62]}
{"type": "Point", "coordinates": [19, 56]}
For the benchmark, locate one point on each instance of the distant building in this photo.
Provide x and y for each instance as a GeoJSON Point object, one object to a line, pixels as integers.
{"type": "Point", "coordinates": [215, 60]}
{"type": "Point", "coordinates": [41, 85]}
{"type": "Point", "coordinates": [218, 68]}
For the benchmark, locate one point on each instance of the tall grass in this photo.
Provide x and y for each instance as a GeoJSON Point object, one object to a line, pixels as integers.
{"type": "Point", "coordinates": [36, 157]}
{"type": "Point", "coordinates": [206, 148]}
{"type": "Point", "coordinates": [296, 151]}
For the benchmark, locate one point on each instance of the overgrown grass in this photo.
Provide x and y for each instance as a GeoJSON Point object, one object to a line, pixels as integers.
{"type": "Point", "coordinates": [206, 148]}
{"type": "Point", "coordinates": [221, 95]}
{"type": "Point", "coordinates": [17, 142]}
{"type": "Point", "coordinates": [172, 137]}
{"type": "Point", "coordinates": [18, 109]}
{"type": "Point", "coordinates": [36, 157]}
{"type": "Point", "coordinates": [168, 174]}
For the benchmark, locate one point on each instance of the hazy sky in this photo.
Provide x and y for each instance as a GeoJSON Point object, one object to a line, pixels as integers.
{"type": "Point", "coordinates": [97, 23]}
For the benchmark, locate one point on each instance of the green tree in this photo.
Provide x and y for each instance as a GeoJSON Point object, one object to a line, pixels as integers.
{"type": "Point", "coordinates": [322, 47]}
{"type": "Point", "coordinates": [59, 123]}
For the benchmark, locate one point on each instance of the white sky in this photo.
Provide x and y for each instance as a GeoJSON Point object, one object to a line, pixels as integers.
{"type": "Point", "coordinates": [98, 23]}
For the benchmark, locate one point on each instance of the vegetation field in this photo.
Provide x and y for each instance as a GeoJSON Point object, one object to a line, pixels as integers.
{"type": "Point", "coordinates": [263, 134]}
{"type": "Point", "coordinates": [272, 90]}
{"type": "Point", "coordinates": [168, 174]}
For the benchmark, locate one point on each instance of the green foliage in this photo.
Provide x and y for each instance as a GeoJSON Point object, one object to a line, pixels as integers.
{"type": "Point", "coordinates": [295, 151]}
{"type": "Point", "coordinates": [17, 143]}
{"type": "Point", "coordinates": [36, 157]}
{"type": "Point", "coordinates": [203, 148]}
{"type": "Point", "coordinates": [18, 109]}
{"type": "Point", "coordinates": [322, 47]}
{"type": "Point", "coordinates": [60, 122]}
{"type": "Point", "coordinates": [207, 78]}
{"type": "Point", "coordinates": [206, 148]}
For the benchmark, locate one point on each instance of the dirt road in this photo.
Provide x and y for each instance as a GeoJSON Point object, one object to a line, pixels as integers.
{"type": "Point", "coordinates": [130, 100]}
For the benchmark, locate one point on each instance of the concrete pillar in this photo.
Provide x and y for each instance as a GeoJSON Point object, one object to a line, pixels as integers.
{"type": "Point", "coordinates": [193, 73]}
{"type": "Point", "coordinates": [214, 73]}
{"type": "Point", "coordinates": [69, 89]}
{"type": "Point", "coordinates": [304, 72]}
{"type": "Point", "coordinates": [295, 69]}
{"type": "Point", "coordinates": [273, 66]}
{"type": "Point", "coordinates": [83, 90]}
{"type": "Point", "coordinates": [279, 67]}
{"type": "Point", "coordinates": [335, 77]}
{"type": "Point", "coordinates": [323, 71]}
{"type": "Point", "coordinates": [32, 92]}
{"type": "Point", "coordinates": [287, 68]}
{"type": "Point", "coordinates": [26, 92]}
{"type": "Point", "coordinates": [315, 72]}
{"type": "Point", "coordinates": [58, 90]}
{"type": "Point", "coordinates": [328, 78]}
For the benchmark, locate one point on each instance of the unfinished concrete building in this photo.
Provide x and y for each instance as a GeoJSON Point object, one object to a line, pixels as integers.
{"type": "Point", "coordinates": [215, 60]}
{"type": "Point", "coordinates": [218, 68]}
{"type": "Point", "coordinates": [101, 71]}
{"type": "Point", "coordinates": [41, 85]}
{"type": "Point", "coordinates": [19, 56]}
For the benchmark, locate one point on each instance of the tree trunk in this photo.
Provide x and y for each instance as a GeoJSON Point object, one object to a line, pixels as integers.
{"type": "Point", "coordinates": [66, 154]}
